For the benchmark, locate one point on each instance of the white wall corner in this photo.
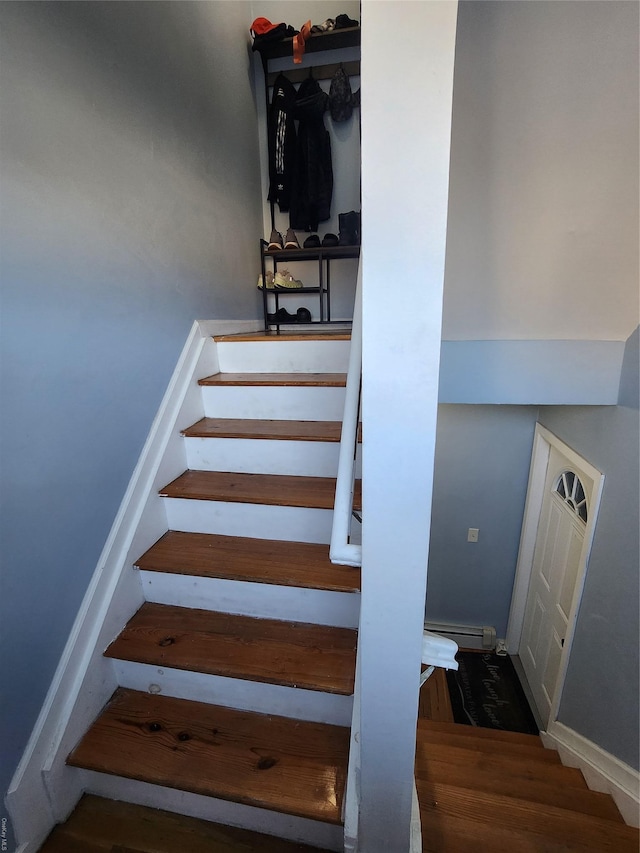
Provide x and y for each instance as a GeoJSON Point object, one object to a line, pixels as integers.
{"type": "Point", "coordinates": [601, 770]}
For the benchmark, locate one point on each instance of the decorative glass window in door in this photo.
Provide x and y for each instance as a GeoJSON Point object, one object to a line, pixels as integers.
{"type": "Point", "coordinates": [571, 490]}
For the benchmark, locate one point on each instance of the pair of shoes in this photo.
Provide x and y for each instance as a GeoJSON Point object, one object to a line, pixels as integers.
{"type": "Point", "coordinates": [349, 234]}
{"type": "Point", "coordinates": [302, 315]}
{"type": "Point", "coordinates": [276, 242]}
{"type": "Point", "coordinates": [270, 285]}
{"type": "Point", "coordinates": [283, 280]}
{"type": "Point", "coordinates": [313, 241]}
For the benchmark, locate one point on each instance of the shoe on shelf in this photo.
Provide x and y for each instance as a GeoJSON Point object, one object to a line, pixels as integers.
{"type": "Point", "coordinates": [291, 241]}
{"type": "Point", "coordinates": [285, 281]}
{"type": "Point", "coordinates": [275, 241]}
{"type": "Point", "coordinates": [330, 240]}
{"type": "Point", "coordinates": [312, 242]}
{"type": "Point", "coordinates": [302, 315]}
{"type": "Point", "coordinates": [270, 283]}
{"type": "Point", "coordinates": [281, 316]}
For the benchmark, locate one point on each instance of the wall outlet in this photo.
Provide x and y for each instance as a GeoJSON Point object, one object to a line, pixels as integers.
{"type": "Point", "coordinates": [472, 534]}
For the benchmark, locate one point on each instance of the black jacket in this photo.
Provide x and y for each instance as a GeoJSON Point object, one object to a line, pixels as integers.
{"type": "Point", "coordinates": [313, 172]}
{"type": "Point", "coordinates": [281, 134]}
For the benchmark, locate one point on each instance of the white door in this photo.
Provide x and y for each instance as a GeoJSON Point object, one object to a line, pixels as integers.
{"type": "Point", "coordinates": [557, 561]}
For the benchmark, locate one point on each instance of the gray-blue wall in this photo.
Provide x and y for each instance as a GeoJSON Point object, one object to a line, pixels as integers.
{"type": "Point", "coordinates": [600, 699]}
{"type": "Point", "coordinates": [483, 455]}
{"type": "Point", "coordinates": [482, 463]}
{"type": "Point", "coordinates": [131, 207]}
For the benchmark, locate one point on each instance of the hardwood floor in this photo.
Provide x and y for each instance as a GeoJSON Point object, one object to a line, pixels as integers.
{"type": "Point", "coordinates": [434, 703]}
{"type": "Point", "coordinates": [487, 791]}
{"type": "Point", "coordinates": [270, 561]}
{"type": "Point", "coordinates": [286, 765]}
{"type": "Point", "coordinates": [479, 790]}
{"type": "Point", "coordinates": [315, 657]}
{"type": "Point", "coordinates": [314, 380]}
{"type": "Point", "coordinates": [328, 431]}
{"type": "Point", "coordinates": [105, 826]}
{"type": "Point", "coordinates": [267, 489]}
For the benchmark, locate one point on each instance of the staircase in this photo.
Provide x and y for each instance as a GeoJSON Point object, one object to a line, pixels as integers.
{"type": "Point", "coordinates": [228, 694]}
{"type": "Point", "coordinates": [500, 792]}
{"type": "Point", "coordinates": [236, 675]}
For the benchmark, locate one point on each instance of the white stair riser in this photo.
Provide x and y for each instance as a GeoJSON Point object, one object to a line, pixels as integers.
{"type": "Point", "coordinates": [283, 356]}
{"type": "Point", "coordinates": [292, 524]}
{"type": "Point", "coordinates": [256, 696]}
{"type": "Point", "coordinates": [262, 600]}
{"type": "Point", "coordinates": [274, 402]}
{"type": "Point", "coordinates": [219, 811]}
{"type": "Point", "coordinates": [264, 456]}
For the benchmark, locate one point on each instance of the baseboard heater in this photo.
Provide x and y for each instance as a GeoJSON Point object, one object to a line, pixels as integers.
{"type": "Point", "coordinates": [466, 636]}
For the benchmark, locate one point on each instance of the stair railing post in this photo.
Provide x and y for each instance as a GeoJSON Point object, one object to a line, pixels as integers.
{"type": "Point", "coordinates": [341, 550]}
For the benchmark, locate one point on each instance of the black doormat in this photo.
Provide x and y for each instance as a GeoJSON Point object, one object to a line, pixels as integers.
{"type": "Point", "coordinates": [486, 692]}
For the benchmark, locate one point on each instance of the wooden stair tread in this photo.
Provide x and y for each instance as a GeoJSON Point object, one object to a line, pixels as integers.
{"type": "Point", "coordinates": [328, 431]}
{"type": "Point", "coordinates": [269, 489]}
{"type": "Point", "coordinates": [299, 564]}
{"type": "Point", "coordinates": [527, 766]}
{"type": "Point", "coordinates": [488, 745]}
{"type": "Point", "coordinates": [315, 657]}
{"type": "Point", "coordinates": [496, 735]}
{"type": "Point", "coordinates": [288, 335]}
{"type": "Point", "coordinates": [518, 785]}
{"type": "Point", "coordinates": [545, 820]}
{"type": "Point", "coordinates": [315, 380]}
{"type": "Point", "coordinates": [466, 835]}
{"type": "Point", "coordinates": [291, 766]}
{"type": "Point", "coordinates": [110, 826]}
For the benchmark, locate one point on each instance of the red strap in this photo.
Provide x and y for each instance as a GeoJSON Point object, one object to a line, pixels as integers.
{"type": "Point", "coordinates": [298, 42]}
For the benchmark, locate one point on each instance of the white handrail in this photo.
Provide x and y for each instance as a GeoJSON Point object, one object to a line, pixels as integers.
{"type": "Point", "coordinates": [341, 550]}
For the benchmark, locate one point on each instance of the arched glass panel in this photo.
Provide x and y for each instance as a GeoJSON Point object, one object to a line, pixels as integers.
{"type": "Point", "coordinates": [571, 490]}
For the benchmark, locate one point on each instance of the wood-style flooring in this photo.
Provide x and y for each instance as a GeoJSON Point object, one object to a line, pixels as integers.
{"type": "Point", "coordinates": [487, 791]}
{"type": "Point", "coordinates": [105, 826]}
{"type": "Point", "coordinates": [266, 489]}
{"type": "Point", "coordinates": [292, 654]}
{"type": "Point", "coordinates": [480, 791]}
{"type": "Point", "coordinates": [270, 561]}
{"type": "Point", "coordinates": [292, 766]}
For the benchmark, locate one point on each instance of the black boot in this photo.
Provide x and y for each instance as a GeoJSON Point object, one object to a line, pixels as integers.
{"type": "Point", "coordinates": [349, 234]}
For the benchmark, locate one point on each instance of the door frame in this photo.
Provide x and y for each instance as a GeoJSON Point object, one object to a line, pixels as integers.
{"type": "Point", "coordinates": [543, 441]}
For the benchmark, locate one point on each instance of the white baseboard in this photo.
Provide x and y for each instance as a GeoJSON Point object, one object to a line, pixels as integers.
{"type": "Point", "coordinates": [601, 770]}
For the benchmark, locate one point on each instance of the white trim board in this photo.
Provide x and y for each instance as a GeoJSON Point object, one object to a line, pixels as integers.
{"type": "Point", "coordinates": [601, 770]}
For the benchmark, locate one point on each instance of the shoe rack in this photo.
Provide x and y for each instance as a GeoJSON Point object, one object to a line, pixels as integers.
{"type": "Point", "coordinates": [323, 256]}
